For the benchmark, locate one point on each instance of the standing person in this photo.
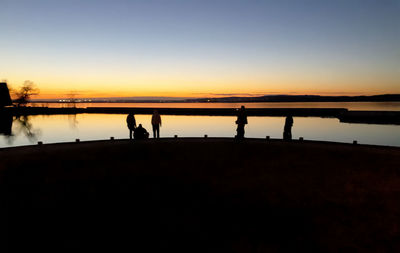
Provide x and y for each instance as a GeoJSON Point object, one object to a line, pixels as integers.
{"type": "Point", "coordinates": [287, 129]}
{"type": "Point", "coordinates": [156, 123]}
{"type": "Point", "coordinates": [131, 122]}
{"type": "Point", "coordinates": [241, 122]}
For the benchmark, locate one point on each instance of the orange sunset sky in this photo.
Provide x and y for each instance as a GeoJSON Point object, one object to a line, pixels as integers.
{"type": "Point", "coordinates": [201, 48]}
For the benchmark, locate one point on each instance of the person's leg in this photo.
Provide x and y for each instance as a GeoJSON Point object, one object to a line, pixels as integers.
{"type": "Point", "coordinates": [158, 131]}
{"type": "Point", "coordinates": [130, 134]}
{"type": "Point", "coordinates": [240, 131]}
{"type": "Point", "coordinates": [154, 130]}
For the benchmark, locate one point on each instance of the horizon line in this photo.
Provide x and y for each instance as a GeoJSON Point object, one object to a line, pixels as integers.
{"type": "Point", "coordinates": [217, 96]}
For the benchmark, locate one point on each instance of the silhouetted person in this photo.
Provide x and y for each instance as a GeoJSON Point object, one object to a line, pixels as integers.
{"type": "Point", "coordinates": [5, 98]}
{"type": "Point", "coordinates": [287, 129]}
{"type": "Point", "coordinates": [156, 123]}
{"type": "Point", "coordinates": [241, 122]}
{"type": "Point", "coordinates": [131, 122]}
{"type": "Point", "coordinates": [140, 133]}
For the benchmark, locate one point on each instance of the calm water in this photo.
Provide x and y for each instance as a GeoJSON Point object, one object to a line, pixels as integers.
{"type": "Point", "coordinates": [363, 106]}
{"type": "Point", "coordinates": [67, 128]}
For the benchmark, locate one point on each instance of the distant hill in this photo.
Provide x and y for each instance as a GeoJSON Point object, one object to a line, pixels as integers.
{"type": "Point", "coordinates": [302, 98]}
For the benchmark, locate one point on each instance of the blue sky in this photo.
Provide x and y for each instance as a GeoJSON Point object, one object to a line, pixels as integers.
{"type": "Point", "coordinates": [189, 47]}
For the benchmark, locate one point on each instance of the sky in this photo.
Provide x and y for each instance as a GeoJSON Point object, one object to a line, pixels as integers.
{"type": "Point", "coordinates": [190, 48]}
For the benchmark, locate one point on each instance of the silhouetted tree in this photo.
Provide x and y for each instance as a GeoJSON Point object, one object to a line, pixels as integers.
{"type": "Point", "coordinates": [72, 98]}
{"type": "Point", "coordinates": [24, 94]}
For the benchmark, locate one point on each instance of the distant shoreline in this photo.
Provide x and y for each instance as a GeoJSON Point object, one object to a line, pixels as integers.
{"type": "Point", "coordinates": [260, 99]}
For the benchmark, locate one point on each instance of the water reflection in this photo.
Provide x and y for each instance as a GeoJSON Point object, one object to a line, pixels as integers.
{"type": "Point", "coordinates": [24, 126]}
{"type": "Point", "coordinates": [67, 128]}
{"type": "Point", "coordinates": [73, 122]}
{"type": "Point", "coordinates": [11, 127]}
{"type": "Point", "coordinates": [6, 124]}
{"type": "Point", "coordinates": [357, 106]}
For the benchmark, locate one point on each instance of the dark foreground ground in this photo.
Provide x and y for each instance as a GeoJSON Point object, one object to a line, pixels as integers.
{"type": "Point", "coordinates": [200, 195]}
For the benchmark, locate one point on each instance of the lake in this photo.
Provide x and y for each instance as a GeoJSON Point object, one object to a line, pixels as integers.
{"type": "Point", "coordinates": [362, 106]}
{"type": "Point", "coordinates": [67, 128]}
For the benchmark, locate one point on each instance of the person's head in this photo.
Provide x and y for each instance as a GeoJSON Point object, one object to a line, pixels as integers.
{"type": "Point", "coordinates": [155, 112]}
{"type": "Point", "coordinates": [242, 107]}
{"type": "Point", "coordinates": [140, 125]}
{"type": "Point", "coordinates": [130, 114]}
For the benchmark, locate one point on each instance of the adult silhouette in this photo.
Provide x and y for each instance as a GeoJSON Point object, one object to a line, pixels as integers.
{"type": "Point", "coordinates": [241, 122]}
{"type": "Point", "coordinates": [140, 133]}
{"type": "Point", "coordinates": [156, 123]}
{"type": "Point", "coordinates": [287, 129]}
{"type": "Point", "coordinates": [131, 122]}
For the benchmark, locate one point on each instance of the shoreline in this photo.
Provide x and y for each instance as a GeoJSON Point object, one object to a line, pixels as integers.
{"type": "Point", "coordinates": [201, 139]}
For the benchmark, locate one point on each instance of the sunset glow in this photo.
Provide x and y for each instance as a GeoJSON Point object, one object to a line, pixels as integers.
{"type": "Point", "coordinates": [201, 48]}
